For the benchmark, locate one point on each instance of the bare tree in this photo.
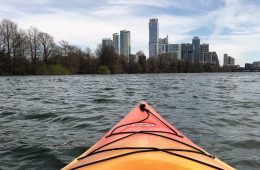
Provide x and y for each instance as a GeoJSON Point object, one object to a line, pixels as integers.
{"type": "Point", "coordinates": [33, 43]}
{"type": "Point", "coordinates": [64, 46]}
{"type": "Point", "coordinates": [22, 50]}
{"type": "Point", "coordinates": [47, 46]}
{"type": "Point", "coordinates": [14, 36]}
{"type": "Point", "coordinates": [7, 28]}
{"type": "Point", "coordinates": [2, 49]}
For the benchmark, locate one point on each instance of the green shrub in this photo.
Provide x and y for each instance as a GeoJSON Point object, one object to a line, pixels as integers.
{"type": "Point", "coordinates": [103, 70]}
{"type": "Point", "coordinates": [54, 69]}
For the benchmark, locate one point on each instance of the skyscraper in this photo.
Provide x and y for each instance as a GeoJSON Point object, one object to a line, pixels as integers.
{"type": "Point", "coordinates": [228, 60]}
{"type": "Point", "coordinates": [125, 46]}
{"type": "Point", "coordinates": [256, 65]}
{"type": "Point", "coordinates": [116, 42]}
{"type": "Point", "coordinates": [214, 59]}
{"type": "Point", "coordinates": [211, 58]}
{"type": "Point", "coordinates": [107, 42]}
{"type": "Point", "coordinates": [153, 38]}
{"type": "Point", "coordinates": [196, 49]}
{"type": "Point", "coordinates": [204, 48]}
{"type": "Point", "coordinates": [175, 48]}
{"type": "Point", "coordinates": [163, 45]}
{"type": "Point", "coordinates": [187, 52]}
{"type": "Point", "coordinates": [225, 59]}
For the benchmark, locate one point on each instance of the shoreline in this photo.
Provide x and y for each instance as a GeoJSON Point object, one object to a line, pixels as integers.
{"type": "Point", "coordinates": [126, 74]}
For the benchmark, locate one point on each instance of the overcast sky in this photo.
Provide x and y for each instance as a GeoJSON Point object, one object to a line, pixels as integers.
{"type": "Point", "coordinates": [229, 26]}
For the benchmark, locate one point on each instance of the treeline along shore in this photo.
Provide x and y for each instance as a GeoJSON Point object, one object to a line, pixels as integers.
{"type": "Point", "coordinates": [33, 52]}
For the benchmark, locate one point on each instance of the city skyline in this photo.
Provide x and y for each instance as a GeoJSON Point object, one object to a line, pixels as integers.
{"type": "Point", "coordinates": [227, 25]}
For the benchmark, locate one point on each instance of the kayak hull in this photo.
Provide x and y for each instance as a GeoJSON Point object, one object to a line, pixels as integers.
{"type": "Point", "coordinates": [144, 140]}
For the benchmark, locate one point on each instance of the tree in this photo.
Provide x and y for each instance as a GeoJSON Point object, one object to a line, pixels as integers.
{"type": "Point", "coordinates": [91, 62]}
{"type": "Point", "coordinates": [142, 63]}
{"type": "Point", "coordinates": [47, 46]}
{"type": "Point", "coordinates": [15, 38]}
{"type": "Point", "coordinates": [21, 50]}
{"type": "Point", "coordinates": [107, 56]}
{"type": "Point", "coordinates": [152, 65]}
{"type": "Point", "coordinates": [34, 44]}
{"type": "Point", "coordinates": [64, 46]}
{"type": "Point", "coordinates": [7, 32]}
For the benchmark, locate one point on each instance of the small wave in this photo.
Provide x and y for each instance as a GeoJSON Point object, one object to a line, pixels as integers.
{"type": "Point", "coordinates": [82, 126]}
{"type": "Point", "coordinates": [38, 156]}
{"type": "Point", "coordinates": [41, 116]}
{"type": "Point", "coordinates": [76, 151]}
{"type": "Point", "coordinates": [65, 119]}
{"type": "Point", "coordinates": [230, 122]}
{"type": "Point", "coordinates": [221, 87]}
{"type": "Point", "coordinates": [105, 100]}
{"type": "Point", "coordinates": [247, 164]}
{"type": "Point", "coordinates": [95, 118]}
{"type": "Point", "coordinates": [34, 99]}
{"type": "Point", "coordinates": [108, 89]}
{"type": "Point", "coordinates": [192, 108]}
{"type": "Point", "coordinates": [6, 114]}
{"type": "Point", "coordinates": [247, 144]}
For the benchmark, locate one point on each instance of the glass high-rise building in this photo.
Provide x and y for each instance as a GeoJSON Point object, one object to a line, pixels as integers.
{"type": "Point", "coordinates": [211, 58]}
{"type": "Point", "coordinates": [204, 48]}
{"type": "Point", "coordinates": [125, 43]}
{"type": "Point", "coordinates": [153, 38]}
{"type": "Point", "coordinates": [175, 48]}
{"type": "Point", "coordinates": [106, 42]}
{"type": "Point", "coordinates": [116, 42]}
{"type": "Point", "coordinates": [196, 49]}
{"type": "Point", "coordinates": [163, 45]}
{"type": "Point", "coordinates": [187, 52]}
{"type": "Point", "coordinates": [228, 60]}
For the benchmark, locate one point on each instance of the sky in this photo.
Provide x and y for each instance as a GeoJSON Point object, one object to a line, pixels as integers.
{"type": "Point", "coordinates": [229, 26]}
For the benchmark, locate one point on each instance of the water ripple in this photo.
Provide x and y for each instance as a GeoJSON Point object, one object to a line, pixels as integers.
{"type": "Point", "coordinates": [46, 121]}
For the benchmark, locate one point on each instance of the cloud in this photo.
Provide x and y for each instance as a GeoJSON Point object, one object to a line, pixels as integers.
{"type": "Point", "coordinates": [236, 30]}
{"type": "Point", "coordinates": [230, 26]}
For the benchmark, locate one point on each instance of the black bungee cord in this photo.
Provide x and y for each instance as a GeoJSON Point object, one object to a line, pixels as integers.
{"type": "Point", "coordinates": [142, 108]}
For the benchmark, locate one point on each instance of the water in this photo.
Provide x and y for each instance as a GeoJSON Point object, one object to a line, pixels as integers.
{"type": "Point", "coordinates": [46, 121]}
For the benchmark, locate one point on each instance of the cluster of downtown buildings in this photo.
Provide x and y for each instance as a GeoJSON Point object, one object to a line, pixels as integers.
{"type": "Point", "coordinates": [194, 52]}
{"type": "Point", "coordinates": [121, 44]}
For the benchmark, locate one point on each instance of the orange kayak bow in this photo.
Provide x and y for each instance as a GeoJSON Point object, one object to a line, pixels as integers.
{"type": "Point", "coordinates": [144, 140]}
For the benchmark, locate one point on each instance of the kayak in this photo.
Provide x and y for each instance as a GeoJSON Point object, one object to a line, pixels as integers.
{"type": "Point", "coordinates": [143, 140]}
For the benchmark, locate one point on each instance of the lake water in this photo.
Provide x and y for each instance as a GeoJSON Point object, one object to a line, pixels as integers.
{"type": "Point", "coordinates": [46, 121]}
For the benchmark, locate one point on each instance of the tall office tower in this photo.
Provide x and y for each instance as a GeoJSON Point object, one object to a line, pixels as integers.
{"type": "Point", "coordinates": [214, 59]}
{"type": "Point", "coordinates": [175, 48]}
{"type": "Point", "coordinates": [256, 65]}
{"type": "Point", "coordinates": [232, 61]}
{"type": "Point", "coordinates": [125, 43]}
{"type": "Point", "coordinates": [187, 52]}
{"type": "Point", "coordinates": [116, 42]}
{"type": "Point", "coordinates": [228, 60]}
{"type": "Point", "coordinates": [204, 48]}
{"type": "Point", "coordinates": [196, 49]}
{"type": "Point", "coordinates": [211, 58]}
{"type": "Point", "coordinates": [163, 45]}
{"type": "Point", "coordinates": [107, 42]}
{"type": "Point", "coordinates": [153, 38]}
{"type": "Point", "coordinates": [207, 57]}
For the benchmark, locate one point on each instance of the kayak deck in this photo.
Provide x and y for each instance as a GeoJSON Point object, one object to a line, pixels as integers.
{"type": "Point", "coordinates": [144, 140]}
